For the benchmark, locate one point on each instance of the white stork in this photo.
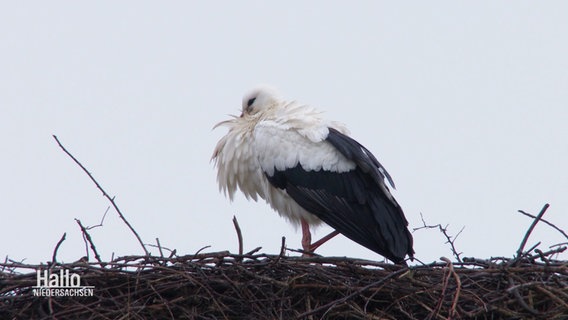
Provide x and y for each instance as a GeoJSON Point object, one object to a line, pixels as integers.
{"type": "Point", "coordinates": [309, 170]}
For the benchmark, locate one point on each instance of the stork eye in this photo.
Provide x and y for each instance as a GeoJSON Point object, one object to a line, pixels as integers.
{"type": "Point", "coordinates": [250, 102]}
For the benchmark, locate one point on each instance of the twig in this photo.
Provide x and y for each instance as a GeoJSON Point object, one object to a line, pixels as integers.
{"type": "Point", "coordinates": [239, 234]}
{"type": "Point", "coordinates": [547, 222]}
{"type": "Point", "coordinates": [559, 244]}
{"type": "Point", "coordinates": [434, 313]}
{"type": "Point", "coordinates": [102, 220]}
{"type": "Point", "coordinates": [399, 272]}
{"type": "Point", "coordinates": [54, 256]}
{"type": "Point", "coordinates": [514, 290]}
{"type": "Point", "coordinates": [253, 251]}
{"type": "Point", "coordinates": [105, 194]}
{"type": "Point", "coordinates": [544, 255]}
{"type": "Point", "coordinates": [199, 251]}
{"type": "Point", "coordinates": [552, 296]}
{"type": "Point", "coordinates": [4, 265]}
{"type": "Point", "coordinates": [458, 287]}
{"type": "Point", "coordinates": [53, 260]}
{"type": "Point", "coordinates": [444, 231]}
{"type": "Point", "coordinates": [159, 247]}
{"type": "Point", "coordinates": [532, 248]}
{"type": "Point", "coordinates": [165, 302]}
{"type": "Point", "coordinates": [282, 247]}
{"type": "Point", "coordinates": [267, 286]}
{"type": "Point", "coordinates": [304, 252]}
{"type": "Point", "coordinates": [528, 233]}
{"type": "Point", "coordinates": [87, 238]}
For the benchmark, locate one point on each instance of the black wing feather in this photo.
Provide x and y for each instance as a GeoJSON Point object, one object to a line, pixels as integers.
{"type": "Point", "coordinates": [352, 202]}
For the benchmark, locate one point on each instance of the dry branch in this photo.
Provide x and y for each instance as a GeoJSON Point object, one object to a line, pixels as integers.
{"type": "Point", "coordinates": [444, 230]}
{"type": "Point", "coordinates": [54, 256]}
{"type": "Point", "coordinates": [87, 238]}
{"type": "Point", "coordinates": [529, 231]}
{"type": "Point", "coordinates": [239, 234]}
{"type": "Point", "coordinates": [105, 194]}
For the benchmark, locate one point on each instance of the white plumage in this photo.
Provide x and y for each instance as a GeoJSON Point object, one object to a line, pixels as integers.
{"type": "Point", "coordinates": [308, 170]}
{"type": "Point", "coordinates": [279, 135]}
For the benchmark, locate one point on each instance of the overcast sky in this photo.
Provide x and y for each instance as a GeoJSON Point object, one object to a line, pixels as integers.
{"type": "Point", "coordinates": [465, 104]}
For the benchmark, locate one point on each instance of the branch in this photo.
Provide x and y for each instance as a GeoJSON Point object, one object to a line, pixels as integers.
{"type": "Point", "coordinates": [399, 273]}
{"type": "Point", "coordinates": [160, 247]}
{"type": "Point", "coordinates": [87, 238]}
{"type": "Point", "coordinates": [283, 247]}
{"type": "Point", "coordinates": [53, 258]}
{"type": "Point", "coordinates": [444, 231]}
{"type": "Point", "coordinates": [239, 234]}
{"type": "Point", "coordinates": [102, 220]}
{"type": "Point", "coordinates": [452, 312]}
{"type": "Point", "coordinates": [528, 233]}
{"type": "Point", "coordinates": [105, 194]}
{"type": "Point", "coordinates": [547, 222]}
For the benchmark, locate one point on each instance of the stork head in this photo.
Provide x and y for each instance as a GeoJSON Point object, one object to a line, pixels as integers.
{"type": "Point", "coordinates": [259, 99]}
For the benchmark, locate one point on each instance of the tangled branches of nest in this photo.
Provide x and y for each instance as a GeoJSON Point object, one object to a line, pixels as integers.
{"type": "Point", "coordinates": [222, 285]}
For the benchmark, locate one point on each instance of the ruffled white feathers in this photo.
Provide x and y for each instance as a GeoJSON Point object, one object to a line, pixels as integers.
{"type": "Point", "coordinates": [270, 134]}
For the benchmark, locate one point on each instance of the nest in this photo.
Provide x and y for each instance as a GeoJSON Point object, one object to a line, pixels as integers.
{"type": "Point", "coordinates": [222, 285]}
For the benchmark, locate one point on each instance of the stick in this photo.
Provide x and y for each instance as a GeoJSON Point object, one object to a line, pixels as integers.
{"type": "Point", "coordinates": [105, 194]}
{"type": "Point", "coordinates": [444, 231]}
{"type": "Point", "coordinates": [452, 311]}
{"type": "Point", "coordinates": [53, 258]}
{"type": "Point", "coordinates": [529, 231]}
{"type": "Point", "coordinates": [547, 222]}
{"type": "Point", "coordinates": [330, 305]}
{"type": "Point", "coordinates": [88, 238]}
{"type": "Point", "coordinates": [239, 234]}
{"type": "Point", "coordinates": [159, 247]}
{"type": "Point", "coordinates": [282, 247]}
{"type": "Point", "coordinates": [102, 220]}
{"type": "Point", "coordinates": [434, 313]}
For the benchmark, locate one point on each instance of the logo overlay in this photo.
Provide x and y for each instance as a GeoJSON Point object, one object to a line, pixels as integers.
{"type": "Point", "coordinates": [62, 284]}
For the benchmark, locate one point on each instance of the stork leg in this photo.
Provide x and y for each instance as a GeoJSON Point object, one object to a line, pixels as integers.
{"type": "Point", "coordinates": [306, 236]}
{"type": "Point", "coordinates": [307, 244]}
{"type": "Point", "coordinates": [323, 240]}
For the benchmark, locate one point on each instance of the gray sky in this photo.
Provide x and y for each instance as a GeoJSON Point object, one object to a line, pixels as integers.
{"type": "Point", "coordinates": [464, 104]}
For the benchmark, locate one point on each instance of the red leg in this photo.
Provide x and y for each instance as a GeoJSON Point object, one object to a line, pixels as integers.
{"type": "Point", "coordinates": [306, 236]}
{"type": "Point", "coordinates": [307, 244]}
{"type": "Point", "coordinates": [323, 240]}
